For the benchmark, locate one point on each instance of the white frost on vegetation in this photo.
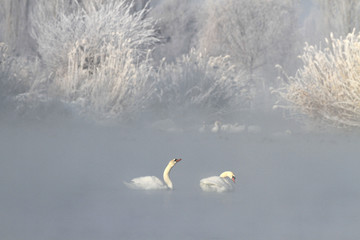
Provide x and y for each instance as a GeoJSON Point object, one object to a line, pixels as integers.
{"type": "Point", "coordinates": [18, 75]}
{"type": "Point", "coordinates": [96, 57]}
{"type": "Point", "coordinates": [200, 84]}
{"type": "Point", "coordinates": [257, 34]}
{"type": "Point", "coordinates": [327, 87]}
{"type": "Point", "coordinates": [99, 55]}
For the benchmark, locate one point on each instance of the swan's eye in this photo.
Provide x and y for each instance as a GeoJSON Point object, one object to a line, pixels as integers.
{"type": "Point", "coordinates": [234, 177]}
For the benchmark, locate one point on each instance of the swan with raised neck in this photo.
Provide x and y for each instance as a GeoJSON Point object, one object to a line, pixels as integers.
{"type": "Point", "coordinates": [152, 182]}
{"type": "Point", "coordinates": [167, 170]}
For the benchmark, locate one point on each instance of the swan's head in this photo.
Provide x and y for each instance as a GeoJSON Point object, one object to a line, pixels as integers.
{"type": "Point", "coordinates": [228, 174]}
{"type": "Point", "coordinates": [174, 161]}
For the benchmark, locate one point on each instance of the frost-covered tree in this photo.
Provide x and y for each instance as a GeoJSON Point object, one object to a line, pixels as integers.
{"type": "Point", "coordinates": [257, 34]}
{"type": "Point", "coordinates": [176, 21]}
{"type": "Point", "coordinates": [20, 80]}
{"type": "Point", "coordinates": [10, 84]}
{"type": "Point", "coordinates": [57, 27]}
{"type": "Point", "coordinates": [17, 74]}
{"type": "Point", "coordinates": [327, 87]}
{"type": "Point", "coordinates": [14, 19]}
{"type": "Point", "coordinates": [98, 54]}
{"type": "Point", "coordinates": [254, 33]}
{"type": "Point", "coordinates": [337, 16]}
{"type": "Point", "coordinates": [199, 85]}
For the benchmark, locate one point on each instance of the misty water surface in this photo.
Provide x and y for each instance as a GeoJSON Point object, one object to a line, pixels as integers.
{"type": "Point", "coordinates": [66, 182]}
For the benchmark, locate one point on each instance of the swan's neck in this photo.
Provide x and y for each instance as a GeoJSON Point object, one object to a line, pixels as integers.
{"type": "Point", "coordinates": [167, 177]}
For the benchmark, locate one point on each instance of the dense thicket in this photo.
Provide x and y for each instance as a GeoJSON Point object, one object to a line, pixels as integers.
{"type": "Point", "coordinates": [117, 60]}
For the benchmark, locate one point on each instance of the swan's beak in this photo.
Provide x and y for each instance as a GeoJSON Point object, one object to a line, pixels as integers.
{"type": "Point", "coordinates": [177, 159]}
{"type": "Point", "coordinates": [233, 179]}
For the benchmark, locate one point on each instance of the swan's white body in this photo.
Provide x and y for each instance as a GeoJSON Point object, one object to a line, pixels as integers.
{"type": "Point", "coordinates": [222, 183]}
{"type": "Point", "coordinates": [152, 182]}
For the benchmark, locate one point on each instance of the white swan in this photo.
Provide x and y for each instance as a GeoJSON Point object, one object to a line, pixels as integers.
{"type": "Point", "coordinates": [220, 183]}
{"type": "Point", "coordinates": [216, 128]}
{"type": "Point", "coordinates": [152, 182]}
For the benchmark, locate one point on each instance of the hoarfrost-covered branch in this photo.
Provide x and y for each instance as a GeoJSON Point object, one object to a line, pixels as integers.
{"type": "Point", "coordinates": [327, 87]}
{"type": "Point", "coordinates": [198, 83]}
{"type": "Point", "coordinates": [99, 54]}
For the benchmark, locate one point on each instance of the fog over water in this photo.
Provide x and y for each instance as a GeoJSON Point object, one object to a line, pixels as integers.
{"type": "Point", "coordinates": [66, 182]}
{"type": "Point", "coordinates": [86, 105]}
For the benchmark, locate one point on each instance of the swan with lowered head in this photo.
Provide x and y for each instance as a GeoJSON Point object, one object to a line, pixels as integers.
{"type": "Point", "coordinates": [152, 182]}
{"type": "Point", "coordinates": [220, 183]}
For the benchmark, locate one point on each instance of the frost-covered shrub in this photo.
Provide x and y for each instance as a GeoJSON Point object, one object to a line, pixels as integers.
{"type": "Point", "coordinates": [201, 84]}
{"type": "Point", "coordinates": [338, 17]}
{"type": "Point", "coordinates": [21, 82]}
{"type": "Point", "coordinates": [54, 27]}
{"type": "Point", "coordinates": [7, 76]}
{"type": "Point", "coordinates": [99, 54]}
{"type": "Point", "coordinates": [14, 25]}
{"type": "Point", "coordinates": [108, 81]}
{"type": "Point", "coordinates": [255, 33]}
{"type": "Point", "coordinates": [178, 30]}
{"type": "Point", "coordinates": [327, 87]}
{"type": "Point", "coordinates": [17, 74]}
{"type": "Point", "coordinates": [57, 28]}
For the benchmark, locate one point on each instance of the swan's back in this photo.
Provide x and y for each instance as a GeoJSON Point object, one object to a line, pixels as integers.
{"type": "Point", "coordinates": [146, 183]}
{"type": "Point", "coordinates": [216, 184]}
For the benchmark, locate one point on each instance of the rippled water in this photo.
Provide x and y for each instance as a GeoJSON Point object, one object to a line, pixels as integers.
{"type": "Point", "coordinates": [66, 182]}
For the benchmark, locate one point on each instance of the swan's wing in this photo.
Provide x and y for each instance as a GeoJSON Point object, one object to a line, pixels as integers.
{"type": "Point", "coordinates": [216, 184]}
{"type": "Point", "coordinates": [146, 183]}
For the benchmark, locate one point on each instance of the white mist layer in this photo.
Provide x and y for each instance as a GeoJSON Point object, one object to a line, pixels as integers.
{"type": "Point", "coordinates": [66, 182]}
